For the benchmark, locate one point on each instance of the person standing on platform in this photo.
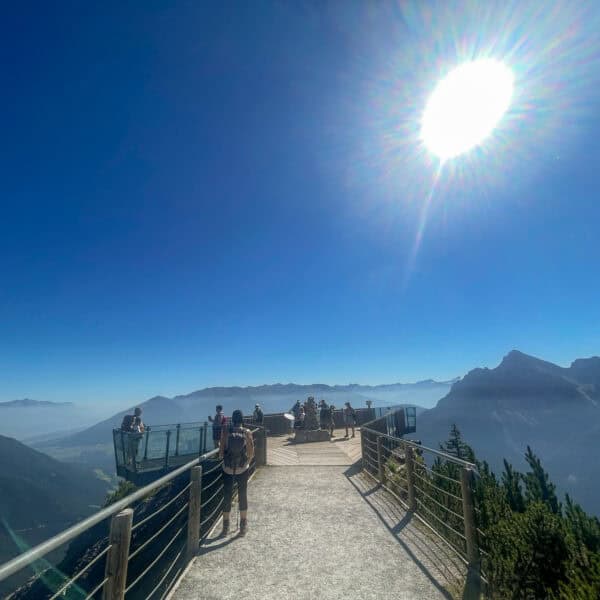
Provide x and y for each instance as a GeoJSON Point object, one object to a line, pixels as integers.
{"type": "Point", "coordinates": [349, 418]}
{"type": "Point", "coordinates": [258, 415]}
{"type": "Point", "coordinates": [218, 424]}
{"type": "Point", "coordinates": [236, 449]}
{"type": "Point", "coordinates": [331, 419]}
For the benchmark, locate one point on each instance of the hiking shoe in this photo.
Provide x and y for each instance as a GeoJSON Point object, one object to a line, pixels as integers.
{"type": "Point", "coordinates": [243, 527]}
{"type": "Point", "coordinates": [225, 528]}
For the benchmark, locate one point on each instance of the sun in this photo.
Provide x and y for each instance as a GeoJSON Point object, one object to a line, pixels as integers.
{"type": "Point", "coordinates": [466, 106]}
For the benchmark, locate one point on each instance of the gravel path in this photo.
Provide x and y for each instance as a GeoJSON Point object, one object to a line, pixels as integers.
{"type": "Point", "coordinates": [318, 532]}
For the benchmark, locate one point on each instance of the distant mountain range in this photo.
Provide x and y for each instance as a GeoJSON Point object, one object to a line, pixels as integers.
{"type": "Point", "coordinates": [40, 496]}
{"type": "Point", "coordinates": [28, 403]}
{"type": "Point", "coordinates": [26, 418]}
{"type": "Point", "coordinates": [528, 401]}
{"type": "Point", "coordinates": [273, 398]}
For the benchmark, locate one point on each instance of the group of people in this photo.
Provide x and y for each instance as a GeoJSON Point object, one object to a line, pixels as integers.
{"type": "Point", "coordinates": [219, 421]}
{"type": "Point", "coordinates": [326, 416]}
{"type": "Point", "coordinates": [236, 447]}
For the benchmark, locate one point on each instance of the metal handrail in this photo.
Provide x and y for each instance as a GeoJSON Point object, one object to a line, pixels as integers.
{"type": "Point", "coordinates": [460, 525]}
{"type": "Point", "coordinates": [115, 511]}
{"type": "Point", "coordinates": [448, 457]}
{"type": "Point", "coordinates": [21, 561]}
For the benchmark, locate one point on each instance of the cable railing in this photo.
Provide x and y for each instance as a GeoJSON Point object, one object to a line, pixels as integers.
{"type": "Point", "coordinates": [436, 487]}
{"type": "Point", "coordinates": [137, 547]}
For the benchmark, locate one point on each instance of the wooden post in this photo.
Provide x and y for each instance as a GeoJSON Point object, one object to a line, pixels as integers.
{"type": "Point", "coordinates": [263, 432]}
{"type": "Point", "coordinates": [380, 464]}
{"type": "Point", "coordinates": [362, 448]}
{"type": "Point", "coordinates": [410, 477]}
{"type": "Point", "coordinates": [116, 560]}
{"type": "Point", "coordinates": [194, 507]}
{"type": "Point", "coordinates": [466, 478]}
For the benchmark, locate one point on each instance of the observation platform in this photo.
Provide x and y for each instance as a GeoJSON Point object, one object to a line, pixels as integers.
{"type": "Point", "coordinates": [320, 532]}
{"type": "Point", "coordinates": [374, 516]}
{"type": "Point", "coordinates": [319, 527]}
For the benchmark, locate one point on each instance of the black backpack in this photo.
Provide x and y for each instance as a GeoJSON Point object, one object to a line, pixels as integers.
{"type": "Point", "coordinates": [236, 454]}
{"type": "Point", "coordinates": [127, 424]}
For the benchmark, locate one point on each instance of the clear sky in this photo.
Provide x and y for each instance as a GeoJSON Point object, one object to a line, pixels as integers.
{"type": "Point", "coordinates": [225, 193]}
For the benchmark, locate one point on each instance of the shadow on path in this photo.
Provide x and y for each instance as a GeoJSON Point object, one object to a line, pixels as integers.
{"type": "Point", "coordinates": [354, 471]}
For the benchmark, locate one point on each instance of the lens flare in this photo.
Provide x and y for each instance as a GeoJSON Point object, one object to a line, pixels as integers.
{"type": "Point", "coordinates": [466, 106]}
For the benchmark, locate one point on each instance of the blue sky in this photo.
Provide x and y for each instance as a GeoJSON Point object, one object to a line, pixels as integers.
{"type": "Point", "coordinates": [199, 195]}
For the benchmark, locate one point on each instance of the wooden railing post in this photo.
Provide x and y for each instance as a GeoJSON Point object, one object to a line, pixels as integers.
{"type": "Point", "coordinates": [116, 561]}
{"type": "Point", "coordinates": [362, 448]}
{"type": "Point", "coordinates": [410, 477]}
{"type": "Point", "coordinates": [466, 479]}
{"type": "Point", "coordinates": [380, 464]}
{"type": "Point", "coordinates": [194, 507]}
{"type": "Point", "coordinates": [260, 447]}
{"type": "Point", "coordinates": [263, 432]}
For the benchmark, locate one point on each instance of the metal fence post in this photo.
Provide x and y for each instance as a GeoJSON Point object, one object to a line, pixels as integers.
{"type": "Point", "coordinates": [146, 446]}
{"type": "Point", "coordinates": [410, 477]}
{"type": "Point", "coordinates": [380, 465]}
{"type": "Point", "coordinates": [194, 507]}
{"type": "Point", "coordinates": [466, 478]}
{"type": "Point", "coordinates": [177, 439]}
{"type": "Point", "coordinates": [116, 561]}
{"type": "Point", "coordinates": [167, 448]}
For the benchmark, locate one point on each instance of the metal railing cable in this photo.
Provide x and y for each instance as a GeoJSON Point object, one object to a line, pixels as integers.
{"type": "Point", "coordinates": [157, 533]}
{"type": "Point", "coordinates": [437, 503]}
{"type": "Point", "coordinates": [212, 514]}
{"type": "Point", "coordinates": [215, 494]}
{"type": "Point", "coordinates": [216, 480]}
{"type": "Point", "coordinates": [81, 572]}
{"type": "Point", "coordinates": [437, 487]}
{"type": "Point", "coordinates": [166, 574]}
{"type": "Point", "coordinates": [97, 589]}
{"type": "Point", "coordinates": [160, 509]}
{"type": "Point", "coordinates": [167, 493]}
{"type": "Point", "coordinates": [154, 562]}
{"type": "Point", "coordinates": [30, 556]}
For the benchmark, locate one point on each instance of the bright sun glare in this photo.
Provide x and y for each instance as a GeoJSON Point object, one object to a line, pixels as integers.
{"type": "Point", "coordinates": [466, 106]}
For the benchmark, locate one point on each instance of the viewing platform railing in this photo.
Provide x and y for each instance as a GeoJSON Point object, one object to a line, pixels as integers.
{"type": "Point", "coordinates": [137, 546]}
{"type": "Point", "coordinates": [436, 487]}
{"type": "Point", "coordinates": [139, 456]}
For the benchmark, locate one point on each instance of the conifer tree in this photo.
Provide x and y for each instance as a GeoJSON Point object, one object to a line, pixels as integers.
{"type": "Point", "coordinates": [538, 487]}
{"type": "Point", "coordinates": [511, 481]}
{"type": "Point", "coordinates": [455, 446]}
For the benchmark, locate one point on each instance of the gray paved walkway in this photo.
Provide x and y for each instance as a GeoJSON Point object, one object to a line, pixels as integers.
{"type": "Point", "coordinates": [317, 532]}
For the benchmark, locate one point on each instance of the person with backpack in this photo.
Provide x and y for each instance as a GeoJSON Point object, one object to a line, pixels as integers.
{"type": "Point", "coordinates": [349, 418]}
{"type": "Point", "coordinates": [237, 451]}
{"type": "Point", "coordinates": [134, 427]}
{"type": "Point", "coordinates": [258, 415]}
{"type": "Point", "coordinates": [218, 424]}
